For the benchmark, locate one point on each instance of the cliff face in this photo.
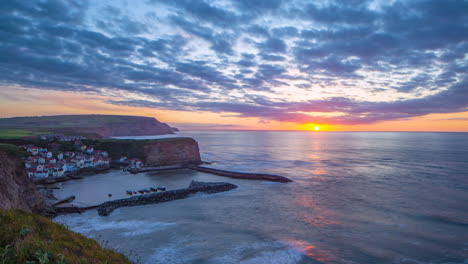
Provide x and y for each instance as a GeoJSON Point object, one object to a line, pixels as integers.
{"type": "Point", "coordinates": [172, 152]}
{"type": "Point", "coordinates": [16, 188]}
{"type": "Point", "coordinates": [156, 152]}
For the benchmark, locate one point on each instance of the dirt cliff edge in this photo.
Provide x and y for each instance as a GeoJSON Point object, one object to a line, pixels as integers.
{"type": "Point", "coordinates": [16, 189]}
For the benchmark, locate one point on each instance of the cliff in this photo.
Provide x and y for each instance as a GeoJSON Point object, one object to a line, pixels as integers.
{"type": "Point", "coordinates": [103, 126]}
{"type": "Point", "coordinates": [16, 189]}
{"type": "Point", "coordinates": [154, 152]}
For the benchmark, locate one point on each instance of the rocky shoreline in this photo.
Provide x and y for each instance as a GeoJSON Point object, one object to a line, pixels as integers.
{"type": "Point", "coordinates": [106, 208]}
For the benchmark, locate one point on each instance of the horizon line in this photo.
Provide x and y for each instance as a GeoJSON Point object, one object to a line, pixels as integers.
{"type": "Point", "coordinates": [312, 131]}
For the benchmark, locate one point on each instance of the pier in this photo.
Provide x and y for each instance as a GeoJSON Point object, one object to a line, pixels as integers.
{"type": "Point", "coordinates": [242, 175]}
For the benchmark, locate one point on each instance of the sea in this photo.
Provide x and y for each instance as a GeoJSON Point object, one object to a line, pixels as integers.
{"type": "Point", "coordinates": [357, 197]}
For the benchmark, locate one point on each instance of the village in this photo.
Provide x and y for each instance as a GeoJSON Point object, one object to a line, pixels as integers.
{"type": "Point", "coordinates": [41, 162]}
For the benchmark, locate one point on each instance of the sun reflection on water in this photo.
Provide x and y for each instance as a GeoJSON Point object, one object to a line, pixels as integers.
{"type": "Point", "coordinates": [309, 250]}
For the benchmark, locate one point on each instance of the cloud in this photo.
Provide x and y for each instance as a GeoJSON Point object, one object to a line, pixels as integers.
{"type": "Point", "coordinates": [364, 61]}
{"type": "Point", "coordinates": [273, 45]}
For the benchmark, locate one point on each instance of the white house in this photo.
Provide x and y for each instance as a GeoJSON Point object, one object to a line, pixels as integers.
{"type": "Point", "coordinates": [90, 150]}
{"type": "Point", "coordinates": [31, 172]}
{"type": "Point", "coordinates": [34, 151]}
{"type": "Point", "coordinates": [49, 155]}
{"type": "Point", "coordinates": [40, 174]}
{"type": "Point", "coordinates": [40, 167]}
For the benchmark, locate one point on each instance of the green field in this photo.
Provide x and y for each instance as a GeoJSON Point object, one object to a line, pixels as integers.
{"type": "Point", "coordinates": [18, 133]}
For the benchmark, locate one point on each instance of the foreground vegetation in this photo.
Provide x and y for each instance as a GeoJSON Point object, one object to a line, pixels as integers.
{"type": "Point", "coordinates": [31, 239]}
{"type": "Point", "coordinates": [12, 150]}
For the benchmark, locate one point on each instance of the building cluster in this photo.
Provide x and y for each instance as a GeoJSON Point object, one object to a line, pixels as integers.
{"type": "Point", "coordinates": [43, 163]}
{"type": "Point", "coordinates": [60, 137]}
{"type": "Point", "coordinates": [132, 163]}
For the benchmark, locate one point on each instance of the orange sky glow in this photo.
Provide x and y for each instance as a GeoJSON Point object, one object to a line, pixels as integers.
{"type": "Point", "coordinates": [36, 102]}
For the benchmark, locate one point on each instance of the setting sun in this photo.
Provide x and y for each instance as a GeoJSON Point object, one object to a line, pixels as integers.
{"type": "Point", "coordinates": [315, 127]}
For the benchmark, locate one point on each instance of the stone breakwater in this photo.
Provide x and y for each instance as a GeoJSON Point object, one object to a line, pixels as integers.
{"type": "Point", "coordinates": [242, 175]}
{"type": "Point", "coordinates": [106, 208]}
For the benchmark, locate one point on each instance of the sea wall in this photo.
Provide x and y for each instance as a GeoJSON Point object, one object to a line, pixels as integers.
{"type": "Point", "coordinates": [242, 175]}
{"type": "Point", "coordinates": [155, 152]}
{"type": "Point", "coordinates": [16, 188]}
{"type": "Point", "coordinates": [106, 208]}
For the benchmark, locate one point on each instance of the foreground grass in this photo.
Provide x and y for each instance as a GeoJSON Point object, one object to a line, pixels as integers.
{"type": "Point", "coordinates": [29, 238]}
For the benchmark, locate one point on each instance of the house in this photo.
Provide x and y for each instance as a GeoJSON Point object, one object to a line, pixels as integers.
{"type": "Point", "coordinates": [136, 163]}
{"type": "Point", "coordinates": [49, 155]}
{"type": "Point", "coordinates": [122, 159]}
{"type": "Point", "coordinates": [31, 172]}
{"type": "Point", "coordinates": [28, 164]}
{"type": "Point", "coordinates": [90, 150]}
{"type": "Point", "coordinates": [60, 172]}
{"type": "Point", "coordinates": [40, 174]}
{"type": "Point", "coordinates": [34, 150]}
{"type": "Point", "coordinates": [60, 156]}
{"type": "Point", "coordinates": [98, 161]}
{"type": "Point", "coordinates": [80, 163]}
{"type": "Point", "coordinates": [41, 160]}
{"type": "Point", "coordinates": [101, 153]}
{"type": "Point", "coordinates": [40, 168]}
{"type": "Point", "coordinates": [70, 167]}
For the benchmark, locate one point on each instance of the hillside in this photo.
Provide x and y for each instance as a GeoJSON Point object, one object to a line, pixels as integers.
{"type": "Point", "coordinates": [30, 238]}
{"type": "Point", "coordinates": [103, 126]}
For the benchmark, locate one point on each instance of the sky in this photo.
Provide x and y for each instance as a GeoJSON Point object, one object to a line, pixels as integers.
{"type": "Point", "coordinates": [351, 65]}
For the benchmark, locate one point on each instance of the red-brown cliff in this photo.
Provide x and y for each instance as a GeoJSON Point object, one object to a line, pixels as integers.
{"type": "Point", "coordinates": [16, 189]}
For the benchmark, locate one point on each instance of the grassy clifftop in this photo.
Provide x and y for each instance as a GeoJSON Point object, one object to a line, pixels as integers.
{"type": "Point", "coordinates": [29, 238]}
{"type": "Point", "coordinates": [95, 126]}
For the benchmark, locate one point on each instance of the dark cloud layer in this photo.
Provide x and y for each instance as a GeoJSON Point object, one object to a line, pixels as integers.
{"type": "Point", "coordinates": [231, 56]}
